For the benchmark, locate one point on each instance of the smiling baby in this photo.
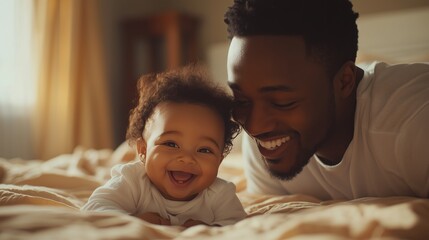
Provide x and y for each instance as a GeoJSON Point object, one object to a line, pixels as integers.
{"type": "Point", "coordinates": [182, 130]}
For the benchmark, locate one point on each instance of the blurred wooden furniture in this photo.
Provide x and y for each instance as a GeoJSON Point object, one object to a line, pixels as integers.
{"type": "Point", "coordinates": [153, 44]}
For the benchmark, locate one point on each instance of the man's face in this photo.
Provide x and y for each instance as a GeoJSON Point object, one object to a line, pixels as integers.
{"type": "Point", "coordinates": [284, 99]}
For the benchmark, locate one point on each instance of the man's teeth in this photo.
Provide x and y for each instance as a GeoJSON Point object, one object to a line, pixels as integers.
{"type": "Point", "coordinates": [273, 144]}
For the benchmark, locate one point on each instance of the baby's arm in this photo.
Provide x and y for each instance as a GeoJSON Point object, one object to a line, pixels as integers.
{"type": "Point", "coordinates": [154, 218]}
{"type": "Point", "coordinates": [224, 204]}
{"type": "Point", "coordinates": [192, 222]}
{"type": "Point", "coordinates": [227, 207]}
{"type": "Point", "coordinates": [119, 194]}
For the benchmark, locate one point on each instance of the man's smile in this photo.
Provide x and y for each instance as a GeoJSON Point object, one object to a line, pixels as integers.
{"type": "Point", "coordinates": [276, 149]}
{"type": "Point", "coordinates": [273, 144]}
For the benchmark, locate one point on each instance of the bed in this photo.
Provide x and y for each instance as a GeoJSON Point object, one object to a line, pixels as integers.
{"type": "Point", "coordinates": [41, 200]}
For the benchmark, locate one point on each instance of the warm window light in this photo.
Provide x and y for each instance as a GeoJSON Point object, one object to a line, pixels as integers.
{"type": "Point", "coordinates": [17, 78]}
{"type": "Point", "coordinates": [17, 75]}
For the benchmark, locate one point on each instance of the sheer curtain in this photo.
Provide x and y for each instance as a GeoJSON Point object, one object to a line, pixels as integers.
{"type": "Point", "coordinates": [72, 103]}
{"type": "Point", "coordinates": [17, 78]}
{"type": "Point", "coordinates": [68, 105]}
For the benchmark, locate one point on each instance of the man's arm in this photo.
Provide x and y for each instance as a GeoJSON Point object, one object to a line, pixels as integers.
{"type": "Point", "coordinates": [413, 150]}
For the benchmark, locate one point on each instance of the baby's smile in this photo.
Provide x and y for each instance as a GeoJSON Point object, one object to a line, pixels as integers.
{"type": "Point", "coordinates": [181, 178]}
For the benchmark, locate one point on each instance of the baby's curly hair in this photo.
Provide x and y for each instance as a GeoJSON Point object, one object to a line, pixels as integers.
{"type": "Point", "coordinates": [328, 27]}
{"type": "Point", "coordinates": [189, 84]}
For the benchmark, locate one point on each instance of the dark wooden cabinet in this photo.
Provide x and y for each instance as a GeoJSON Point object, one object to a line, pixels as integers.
{"type": "Point", "coordinates": [150, 45]}
{"type": "Point", "coordinates": [156, 43]}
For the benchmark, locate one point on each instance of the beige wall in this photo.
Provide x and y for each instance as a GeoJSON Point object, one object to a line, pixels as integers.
{"type": "Point", "coordinates": [382, 6]}
{"type": "Point", "coordinates": [210, 12]}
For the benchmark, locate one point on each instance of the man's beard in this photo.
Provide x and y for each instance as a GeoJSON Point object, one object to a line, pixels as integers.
{"type": "Point", "coordinates": [303, 160]}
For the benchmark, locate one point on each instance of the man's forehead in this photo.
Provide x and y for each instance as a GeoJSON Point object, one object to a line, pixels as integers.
{"type": "Point", "coordinates": [267, 51]}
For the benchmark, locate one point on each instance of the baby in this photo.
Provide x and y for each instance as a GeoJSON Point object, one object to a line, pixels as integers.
{"type": "Point", "coordinates": [182, 130]}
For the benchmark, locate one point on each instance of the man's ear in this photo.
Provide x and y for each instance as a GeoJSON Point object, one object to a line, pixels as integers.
{"type": "Point", "coordinates": [141, 146]}
{"type": "Point", "coordinates": [345, 79]}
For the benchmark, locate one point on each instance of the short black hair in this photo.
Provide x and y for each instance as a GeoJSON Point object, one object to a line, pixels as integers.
{"type": "Point", "coordinates": [328, 27]}
{"type": "Point", "coordinates": [189, 84]}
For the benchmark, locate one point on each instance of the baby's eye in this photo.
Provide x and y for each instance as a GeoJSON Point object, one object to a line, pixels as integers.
{"type": "Point", "coordinates": [170, 144]}
{"type": "Point", "coordinates": [205, 150]}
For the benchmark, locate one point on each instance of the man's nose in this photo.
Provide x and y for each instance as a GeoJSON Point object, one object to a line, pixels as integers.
{"type": "Point", "coordinates": [259, 120]}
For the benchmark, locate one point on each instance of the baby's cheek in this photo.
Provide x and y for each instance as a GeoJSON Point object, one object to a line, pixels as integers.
{"type": "Point", "coordinates": [210, 171]}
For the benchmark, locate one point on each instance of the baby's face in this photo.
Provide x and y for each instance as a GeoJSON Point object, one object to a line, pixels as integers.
{"type": "Point", "coordinates": [184, 148]}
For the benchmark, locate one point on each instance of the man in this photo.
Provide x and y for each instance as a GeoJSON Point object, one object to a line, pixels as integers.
{"type": "Point", "coordinates": [316, 123]}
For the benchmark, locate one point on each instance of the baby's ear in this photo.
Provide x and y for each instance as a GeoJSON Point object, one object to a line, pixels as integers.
{"type": "Point", "coordinates": [141, 146]}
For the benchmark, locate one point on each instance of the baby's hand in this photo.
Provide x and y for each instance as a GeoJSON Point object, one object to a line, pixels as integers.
{"type": "Point", "coordinates": [192, 222]}
{"type": "Point", "coordinates": [154, 218]}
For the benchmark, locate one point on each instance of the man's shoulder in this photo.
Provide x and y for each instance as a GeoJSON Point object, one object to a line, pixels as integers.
{"type": "Point", "coordinates": [398, 73]}
{"type": "Point", "coordinates": [402, 71]}
{"type": "Point", "coordinates": [381, 66]}
{"type": "Point", "coordinates": [390, 94]}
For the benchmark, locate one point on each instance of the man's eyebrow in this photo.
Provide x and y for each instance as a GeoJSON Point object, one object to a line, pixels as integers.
{"type": "Point", "coordinates": [275, 88]}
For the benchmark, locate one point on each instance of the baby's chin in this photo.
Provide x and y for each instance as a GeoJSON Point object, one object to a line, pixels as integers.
{"type": "Point", "coordinates": [180, 197]}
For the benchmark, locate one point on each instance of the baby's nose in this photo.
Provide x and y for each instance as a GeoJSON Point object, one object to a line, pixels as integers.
{"type": "Point", "coordinates": [186, 158]}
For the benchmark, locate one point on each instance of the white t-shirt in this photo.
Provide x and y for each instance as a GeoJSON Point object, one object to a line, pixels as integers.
{"type": "Point", "coordinates": [130, 191]}
{"type": "Point", "coordinates": [389, 152]}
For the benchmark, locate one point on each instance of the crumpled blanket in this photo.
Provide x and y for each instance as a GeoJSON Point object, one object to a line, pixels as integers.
{"type": "Point", "coordinates": [41, 200]}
